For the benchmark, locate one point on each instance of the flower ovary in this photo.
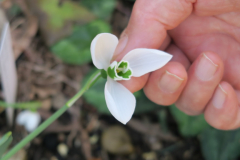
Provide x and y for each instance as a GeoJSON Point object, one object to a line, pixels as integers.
{"type": "Point", "coordinates": [104, 74]}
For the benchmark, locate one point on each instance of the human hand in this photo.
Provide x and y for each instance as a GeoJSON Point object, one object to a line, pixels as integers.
{"type": "Point", "coordinates": [204, 38]}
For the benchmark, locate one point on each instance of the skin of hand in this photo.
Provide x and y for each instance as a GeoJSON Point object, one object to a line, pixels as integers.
{"type": "Point", "coordinates": [204, 38]}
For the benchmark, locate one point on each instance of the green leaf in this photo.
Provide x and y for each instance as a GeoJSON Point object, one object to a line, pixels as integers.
{"type": "Point", "coordinates": [188, 125]}
{"type": "Point", "coordinates": [220, 145]}
{"type": "Point", "coordinates": [5, 141]}
{"type": "Point", "coordinates": [102, 9]}
{"type": "Point", "coordinates": [14, 10]}
{"type": "Point", "coordinates": [57, 18]}
{"type": "Point", "coordinates": [163, 120]}
{"type": "Point", "coordinates": [144, 104]}
{"type": "Point", "coordinates": [58, 14]}
{"type": "Point", "coordinates": [76, 48]}
{"type": "Point", "coordinates": [95, 96]}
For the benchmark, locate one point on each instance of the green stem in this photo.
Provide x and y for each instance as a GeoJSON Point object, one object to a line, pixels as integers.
{"type": "Point", "coordinates": [51, 119]}
{"type": "Point", "coordinates": [21, 105]}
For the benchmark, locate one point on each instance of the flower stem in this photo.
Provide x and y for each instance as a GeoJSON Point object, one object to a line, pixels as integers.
{"type": "Point", "coordinates": [51, 119]}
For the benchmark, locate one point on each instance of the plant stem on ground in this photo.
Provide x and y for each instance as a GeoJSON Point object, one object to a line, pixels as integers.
{"type": "Point", "coordinates": [21, 105]}
{"type": "Point", "coordinates": [51, 119]}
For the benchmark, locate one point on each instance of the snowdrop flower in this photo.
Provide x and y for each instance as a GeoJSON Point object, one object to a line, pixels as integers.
{"type": "Point", "coordinates": [120, 101]}
{"type": "Point", "coordinates": [30, 120]}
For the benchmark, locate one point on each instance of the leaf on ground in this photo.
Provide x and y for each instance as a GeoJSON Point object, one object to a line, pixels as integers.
{"type": "Point", "coordinates": [144, 104]}
{"type": "Point", "coordinates": [56, 19]}
{"type": "Point", "coordinates": [220, 145]}
{"type": "Point", "coordinates": [58, 14]}
{"type": "Point", "coordinates": [95, 96]}
{"type": "Point", "coordinates": [188, 125]}
{"type": "Point", "coordinates": [5, 141]}
{"type": "Point", "coordinates": [102, 9]}
{"type": "Point", "coordinates": [22, 105]}
{"type": "Point", "coordinates": [13, 11]}
{"type": "Point", "coordinates": [76, 48]}
{"type": "Point", "coordinates": [163, 119]}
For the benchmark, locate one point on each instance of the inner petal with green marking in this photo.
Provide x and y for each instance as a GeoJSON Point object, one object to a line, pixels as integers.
{"type": "Point", "coordinates": [119, 70]}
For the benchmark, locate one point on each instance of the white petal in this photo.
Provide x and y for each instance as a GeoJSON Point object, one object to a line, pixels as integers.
{"type": "Point", "coordinates": [102, 49]}
{"type": "Point", "coordinates": [143, 60]}
{"type": "Point", "coordinates": [120, 101]}
{"type": "Point", "coordinates": [21, 117]}
{"type": "Point", "coordinates": [29, 120]}
{"type": "Point", "coordinates": [33, 122]}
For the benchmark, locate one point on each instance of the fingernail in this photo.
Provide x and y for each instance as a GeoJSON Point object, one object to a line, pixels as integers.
{"type": "Point", "coordinates": [122, 44]}
{"type": "Point", "coordinates": [219, 97]}
{"type": "Point", "coordinates": [170, 82]}
{"type": "Point", "coordinates": [206, 68]}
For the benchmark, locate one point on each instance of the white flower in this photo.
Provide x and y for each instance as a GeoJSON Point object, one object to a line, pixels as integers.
{"type": "Point", "coordinates": [120, 101]}
{"type": "Point", "coordinates": [30, 120]}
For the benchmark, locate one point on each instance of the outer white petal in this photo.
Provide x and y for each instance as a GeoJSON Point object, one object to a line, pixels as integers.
{"type": "Point", "coordinates": [144, 60]}
{"type": "Point", "coordinates": [29, 120]}
{"type": "Point", "coordinates": [120, 101]}
{"type": "Point", "coordinates": [102, 49]}
{"type": "Point", "coordinates": [33, 122]}
{"type": "Point", "coordinates": [21, 117]}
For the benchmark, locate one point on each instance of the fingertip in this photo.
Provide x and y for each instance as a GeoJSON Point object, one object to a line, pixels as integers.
{"type": "Point", "coordinates": [176, 69]}
{"type": "Point", "coordinates": [213, 57]}
{"type": "Point", "coordinates": [222, 112]}
{"type": "Point", "coordinates": [204, 76]}
{"type": "Point", "coordinates": [165, 85]}
{"type": "Point", "coordinates": [207, 67]}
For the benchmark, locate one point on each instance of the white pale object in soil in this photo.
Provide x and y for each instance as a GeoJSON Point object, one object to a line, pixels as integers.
{"type": "Point", "coordinates": [120, 101]}
{"type": "Point", "coordinates": [30, 120]}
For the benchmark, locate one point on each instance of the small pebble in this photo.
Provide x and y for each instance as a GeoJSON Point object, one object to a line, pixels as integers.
{"type": "Point", "coordinates": [149, 156]}
{"type": "Point", "coordinates": [94, 139]}
{"type": "Point", "coordinates": [53, 158]}
{"type": "Point", "coordinates": [116, 140]}
{"type": "Point", "coordinates": [62, 149]}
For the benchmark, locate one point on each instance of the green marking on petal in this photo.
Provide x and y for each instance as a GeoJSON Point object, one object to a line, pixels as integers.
{"type": "Point", "coordinates": [123, 70]}
{"type": "Point", "coordinates": [111, 70]}
{"type": "Point", "coordinates": [119, 71]}
{"type": "Point", "coordinates": [125, 75]}
{"type": "Point", "coordinates": [123, 65]}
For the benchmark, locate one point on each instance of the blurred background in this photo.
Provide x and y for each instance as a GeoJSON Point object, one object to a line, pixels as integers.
{"type": "Point", "coordinates": [51, 42]}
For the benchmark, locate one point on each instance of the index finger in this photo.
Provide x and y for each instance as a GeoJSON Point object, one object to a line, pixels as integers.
{"type": "Point", "coordinates": [148, 27]}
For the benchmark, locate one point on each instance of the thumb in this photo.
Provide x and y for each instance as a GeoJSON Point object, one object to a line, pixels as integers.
{"type": "Point", "coordinates": [148, 27]}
